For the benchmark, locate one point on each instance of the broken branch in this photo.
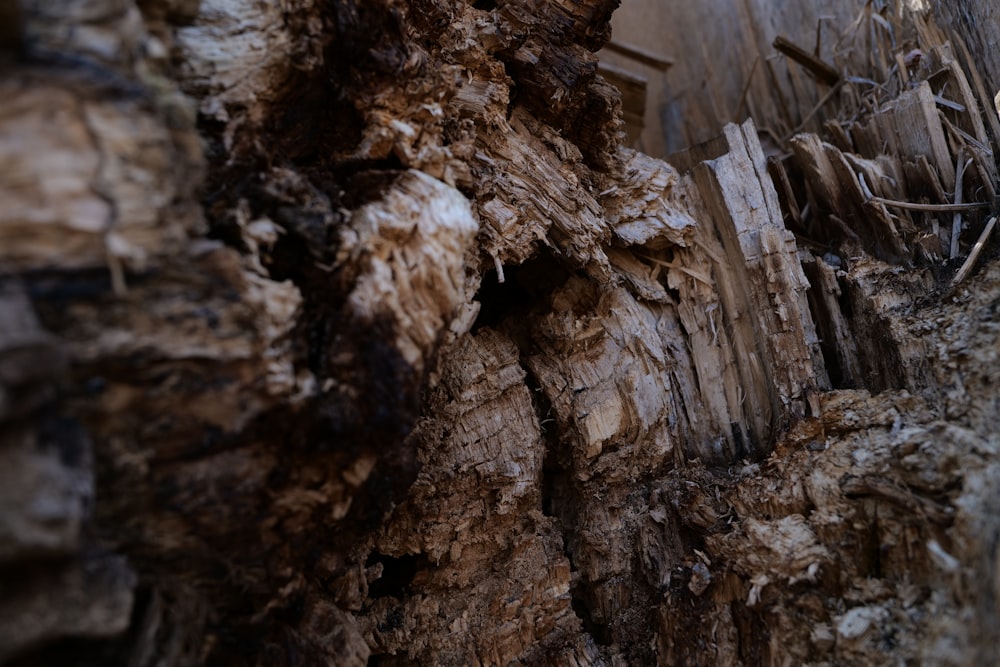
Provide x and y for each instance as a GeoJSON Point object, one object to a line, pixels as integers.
{"type": "Point", "coordinates": [822, 70]}
{"type": "Point", "coordinates": [970, 261]}
{"type": "Point", "coordinates": [931, 208]}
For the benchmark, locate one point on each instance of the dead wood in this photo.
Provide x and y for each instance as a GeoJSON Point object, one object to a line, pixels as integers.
{"type": "Point", "coordinates": [350, 333]}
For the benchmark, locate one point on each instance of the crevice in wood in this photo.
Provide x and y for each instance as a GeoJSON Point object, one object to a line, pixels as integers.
{"type": "Point", "coordinates": [395, 574]}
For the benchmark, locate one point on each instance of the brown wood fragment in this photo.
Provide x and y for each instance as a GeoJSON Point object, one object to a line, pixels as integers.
{"type": "Point", "coordinates": [839, 136]}
{"type": "Point", "coordinates": [928, 177]}
{"type": "Point", "coordinates": [970, 261]}
{"type": "Point", "coordinates": [919, 131]}
{"type": "Point", "coordinates": [983, 97]}
{"type": "Point", "coordinates": [748, 219]}
{"type": "Point", "coordinates": [838, 190]}
{"type": "Point", "coordinates": [786, 193]}
{"type": "Point", "coordinates": [644, 56]}
{"type": "Point", "coordinates": [823, 71]}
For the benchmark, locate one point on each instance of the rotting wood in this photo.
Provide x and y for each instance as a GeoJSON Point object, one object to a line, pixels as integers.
{"type": "Point", "coordinates": [435, 372]}
{"type": "Point", "coordinates": [908, 151]}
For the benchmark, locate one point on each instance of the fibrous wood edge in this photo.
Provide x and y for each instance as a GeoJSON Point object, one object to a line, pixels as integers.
{"type": "Point", "coordinates": [328, 433]}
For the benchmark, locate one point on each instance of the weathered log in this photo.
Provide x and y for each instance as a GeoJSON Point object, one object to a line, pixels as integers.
{"type": "Point", "coordinates": [348, 333]}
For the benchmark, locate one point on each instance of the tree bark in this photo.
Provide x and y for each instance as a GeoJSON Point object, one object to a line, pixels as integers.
{"type": "Point", "coordinates": [348, 333]}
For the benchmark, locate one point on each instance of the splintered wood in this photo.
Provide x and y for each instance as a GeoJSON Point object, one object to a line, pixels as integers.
{"type": "Point", "coordinates": [396, 356]}
{"type": "Point", "coordinates": [908, 171]}
{"type": "Point", "coordinates": [907, 174]}
{"type": "Point", "coordinates": [407, 256]}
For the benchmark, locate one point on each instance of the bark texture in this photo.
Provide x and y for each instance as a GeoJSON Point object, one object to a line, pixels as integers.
{"type": "Point", "coordinates": [347, 333]}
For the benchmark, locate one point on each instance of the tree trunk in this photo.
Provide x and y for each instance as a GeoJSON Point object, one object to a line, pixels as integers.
{"type": "Point", "coordinates": [349, 333]}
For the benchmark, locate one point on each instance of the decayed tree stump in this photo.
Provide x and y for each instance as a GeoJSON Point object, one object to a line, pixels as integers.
{"type": "Point", "coordinates": [348, 333]}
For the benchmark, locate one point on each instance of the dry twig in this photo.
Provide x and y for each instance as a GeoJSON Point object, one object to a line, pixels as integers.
{"type": "Point", "coordinates": [931, 208]}
{"type": "Point", "coordinates": [970, 261]}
